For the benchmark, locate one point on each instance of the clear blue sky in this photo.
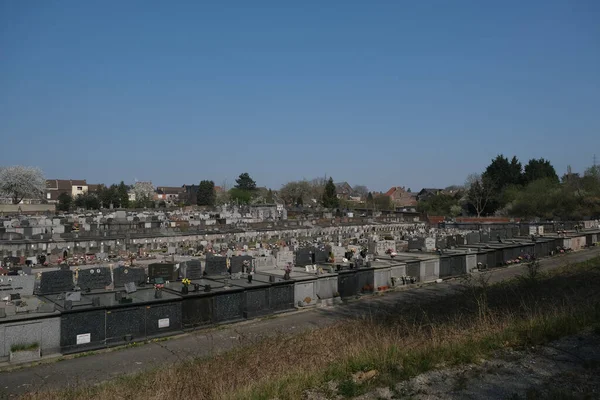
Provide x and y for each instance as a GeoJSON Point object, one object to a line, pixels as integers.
{"type": "Point", "coordinates": [382, 93]}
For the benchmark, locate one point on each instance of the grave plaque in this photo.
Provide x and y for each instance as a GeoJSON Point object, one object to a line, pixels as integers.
{"type": "Point", "coordinates": [73, 296]}
{"type": "Point", "coordinates": [123, 275]}
{"type": "Point", "coordinates": [165, 271]}
{"type": "Point", "coordinates": [56, 282]}
{"type": "Point", "coordinates": [236, 263]}
{"type": "Point", "coordinates": [130, 287]}
{"type": "Point", "coordinates": [94, 278]}
{"type": "Point", "coordinates": [193, 269]}
{"type": "Point", "coordinates": [215, 265]}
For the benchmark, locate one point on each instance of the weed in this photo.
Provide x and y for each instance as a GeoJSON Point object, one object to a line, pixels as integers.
{"type": "Point", "coordinates": [24, 347]}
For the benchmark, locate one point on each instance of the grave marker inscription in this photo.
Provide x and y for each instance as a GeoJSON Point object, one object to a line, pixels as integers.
{"type": "Point", "coordinates": [94, 278]}
{"type": "Point", "coordinates": [56, 282]}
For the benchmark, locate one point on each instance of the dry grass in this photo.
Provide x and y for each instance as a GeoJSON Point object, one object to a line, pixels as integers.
{"type": "Point", "coordinates": [399, 343]}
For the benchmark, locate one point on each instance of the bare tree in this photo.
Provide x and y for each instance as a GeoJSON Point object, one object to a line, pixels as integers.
{"type": "Point", "coordinates": [296, 192]}
{"type": "Point", "coordinates": [479, 192]}
{"type": "Point", "coordinates": [361, 190]}
{"type": "Point", "coordinates": [318, 187]}
{"type": "Point", "coordinates": [19, 182]}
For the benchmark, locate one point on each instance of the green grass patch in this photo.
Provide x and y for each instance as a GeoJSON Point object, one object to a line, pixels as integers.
{"type": "Point", "coordinates": [24, 347]}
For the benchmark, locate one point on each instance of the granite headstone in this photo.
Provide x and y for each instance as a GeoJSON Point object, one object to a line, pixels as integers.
{"type": "Point", "coordinates": [56, 282]}
{"type": "Point", "coordinates": [165, 271]}
{"type": "Point", "coordinates": [123, 275]}
{"type": "Point", "coordinates": [94, 278]}
{"type": "Point", "coordinates": [215, 265]}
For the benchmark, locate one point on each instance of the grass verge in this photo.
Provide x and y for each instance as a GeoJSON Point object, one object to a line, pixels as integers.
{"type": "Point", "coordinates": [399, 342]}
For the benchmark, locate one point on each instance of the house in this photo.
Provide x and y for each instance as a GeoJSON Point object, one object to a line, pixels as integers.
{"type": "Point", "coordinates": [343, 190]}
{"type": "Point", "coordinates": [401, 197]}
{"type": "Point", "coordinates": [72, 187]}
{"type": "Point", "coordinates": [170, 194]}
{"type": "Point", "coordinates": [427, 193]}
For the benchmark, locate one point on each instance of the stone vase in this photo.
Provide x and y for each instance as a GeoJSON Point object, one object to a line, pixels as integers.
{"type": "Point", "coordinates": [185, 289]}
{"type": "Point", "coordinates": [158, 294]}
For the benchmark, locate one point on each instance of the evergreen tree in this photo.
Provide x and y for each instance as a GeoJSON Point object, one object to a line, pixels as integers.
{"type": "Point", "coordinates": [206, 194]}
{"type": "Point", "coordinates": [123, 195]}
{"type": "Point", "coordinates": [244, 182]}
{"type": "Point", "coordinates": [539, 169]}
{"type": "Point", "coordinates": [270, 197]}
{"type": "Point", "coordinates": [330, 199]}
{"type": "Point", "coordinates": [64, 202]}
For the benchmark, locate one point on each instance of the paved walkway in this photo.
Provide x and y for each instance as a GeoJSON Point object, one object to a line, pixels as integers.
{"type": "Point", "coordinates": [108, 364]}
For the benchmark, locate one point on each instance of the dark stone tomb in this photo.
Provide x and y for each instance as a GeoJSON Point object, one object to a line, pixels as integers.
{"type": "Point", "coordinates": [365, 280]}
{"type": "Point", "coordinates": [94, 278]}
{"type": "Point", "coordinates": [304, 257]}
{"type": "Point", "coordinates": [215, 265]}
{"type": "Point", "coordinates": [347, 283]}
{"type": "Point", "coordinates": [192, 269]}
{"type": "Point", "coordinates": [321, 255]}
{"type": "Point", "coordinates": [56, 282]}
{"type": "Point", "coordinates": [82, 331]}
{"type": "Point", "coordinates": [123, 275]}
{"type": "Point", "coordinates": [236, 263]}
{"type": "Point", "coordinates": [228, 306]}
{"type": "Point", "coordinates": [166, 271]}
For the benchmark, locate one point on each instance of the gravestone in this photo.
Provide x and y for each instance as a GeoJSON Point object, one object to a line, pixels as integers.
{"type": "Point", "coordinates": [321, 254]}
{"type": "Point", "coordinates": [193, 269]}
{"type": "Point", "coordinates": [236, 263]}
{"type": "Point", "coordinates": [416, 243]}
{"type": "Point", "coordinates": [304, 257]}
{"type": "Point", "coordinates": [339, 253]}
{"type": "Point", "coordinates": [123, 275]}
{"type": "Point", "coordinates": [429, 244]}
{"type": "Point", "coordinates": [215, 265]}
{"type": "Point", "coordinates": [262, 263]}
{"type": "Point", "coordinates": [94, 278]}
{"type": "Point", "coordinates": [441, 243]}
{"type": "Point", "coordinates": [284, 257]}
{"type": "Point", "coordinates": [21, 284]}
{"type": "Point", "coordinates": [56, 282]}
{"type": "Point", "coordinates": [165, 271]}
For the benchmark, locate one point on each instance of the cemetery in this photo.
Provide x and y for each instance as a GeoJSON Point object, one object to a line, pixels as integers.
{"type": "Point", "coordinates": [243, 275]}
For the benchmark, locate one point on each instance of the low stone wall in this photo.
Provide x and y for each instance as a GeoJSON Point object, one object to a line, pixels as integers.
{"type": "Point", "coordinates": [27, 208]}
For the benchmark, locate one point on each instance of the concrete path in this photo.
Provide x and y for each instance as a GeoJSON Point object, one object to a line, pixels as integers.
{"type": "Point", "coordinates": [108, 364]}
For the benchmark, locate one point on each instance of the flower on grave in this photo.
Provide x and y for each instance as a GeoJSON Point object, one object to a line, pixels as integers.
{"type": "Point", "coordinates": [159, 286]}
{"type": "Point", "coordinates": [288, 267]}
{"type": "Point", "coordinates": [185, 281]}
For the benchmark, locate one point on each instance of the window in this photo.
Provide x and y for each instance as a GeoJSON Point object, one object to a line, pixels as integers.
{"type": "Point", "coordinates": [79, 187]}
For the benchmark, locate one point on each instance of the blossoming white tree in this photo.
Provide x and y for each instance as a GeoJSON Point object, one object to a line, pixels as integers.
{"type": "Point", "coordinates": [144, 191]}
{"type": "Point", "coordinates": [19, 182]}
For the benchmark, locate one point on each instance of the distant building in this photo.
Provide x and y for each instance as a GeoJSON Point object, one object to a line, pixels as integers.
{"type": "Point", "coordinates": [343, 190]}
{"type": "Point", "coordinates": [401, 197]}
{"type": "Point", "coordinates": [170, 194]}
{"type": "Point", "coordinates": [72, 187]}
{"type": "Point", "coordinates": [427, 193]}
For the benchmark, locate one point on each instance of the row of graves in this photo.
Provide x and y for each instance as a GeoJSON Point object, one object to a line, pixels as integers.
{"type": "Point", "coordinates": [67, 311]}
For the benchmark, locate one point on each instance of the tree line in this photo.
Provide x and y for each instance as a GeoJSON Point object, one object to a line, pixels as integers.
{"type": "Point", "coordinates": [506, 188]}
